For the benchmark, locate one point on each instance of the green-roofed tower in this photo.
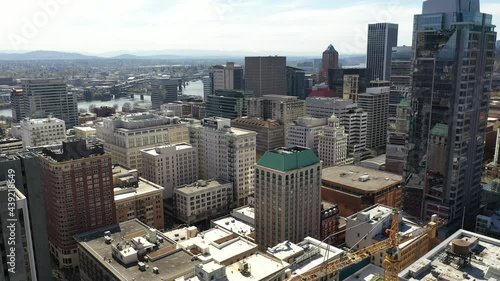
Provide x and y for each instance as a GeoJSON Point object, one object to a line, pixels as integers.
{"type": "Point", "coordinates": [287, 196]}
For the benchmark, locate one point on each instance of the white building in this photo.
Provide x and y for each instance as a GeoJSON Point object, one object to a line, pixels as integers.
{"type": "Point", "coordinates": [176, 109]}
{"type": "Point", "coordinates": [306, 255]}
{"type": "Point", "coordinates": [124, 137]}
{"type": "Point", "coordinates": [170, 166]}
{"type": "Point", "coordinates": [226, 153]}
{"type": "Point", "coordinates": [202, 200]}
{"type": "Point", "coordinates": [207, 87]}
{"type": "Point", "coordinates": [305, 132]}
{"type": "Point", "coordinates": [39, 132]}
{"type": "Point", "coordinates": [332, 148]}
{"type": "Point", "coordinates": [324, 107]}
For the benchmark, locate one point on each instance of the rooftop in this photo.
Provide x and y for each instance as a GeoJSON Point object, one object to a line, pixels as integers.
{"type": "Point", "coordinates": [260, 265]}
{"type": "Point", "coordinates": [464, 255]}
{"type": "Point", "coordinates": [246, 211]}
{"type": "Point", "coordinates": [360, 179]}
{"type": "Point", "coordinates": [217, 244]}
{"type": "Point", "coordinates": [368, 273]}
{"type": "Point", "coordinates": [236, 226]}
{"type": "Point", "coordinates": [171, 262]}
{"type": "Point", "coordinates": [50, 120]}
{"type": "Point", "coordinates": [144, 187]}
{"type": "Point", "coordinates": [271, 124]}
{"type": "Point", "coordinates": [160, 149]}
{"type": "Point", "coordinates": [288, 158]}
{"type": "Point", "coordinates": [201, 186]}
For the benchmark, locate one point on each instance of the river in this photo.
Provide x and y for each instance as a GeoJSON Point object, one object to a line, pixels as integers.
{"type": "Point", "coordinates": [194, 88]}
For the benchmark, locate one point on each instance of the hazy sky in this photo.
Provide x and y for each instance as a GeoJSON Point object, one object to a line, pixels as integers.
{"type": "Point", "coordinates": [286, 27]}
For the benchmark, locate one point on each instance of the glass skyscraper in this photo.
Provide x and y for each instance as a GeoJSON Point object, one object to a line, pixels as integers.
{"type": "Point", "coordinates": [453, 49]}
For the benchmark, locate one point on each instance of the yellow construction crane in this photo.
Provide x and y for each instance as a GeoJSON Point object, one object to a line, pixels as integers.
{"type": "Point", "coordinates": [390, 245]}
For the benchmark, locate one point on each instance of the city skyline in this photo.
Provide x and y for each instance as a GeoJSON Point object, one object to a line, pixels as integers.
{"type": "Point", "coordinates": [268, 28]}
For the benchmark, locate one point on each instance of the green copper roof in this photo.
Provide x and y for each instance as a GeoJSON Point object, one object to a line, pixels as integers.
{"type": "Point", "coordinates": [440, 130]}
{"type": "Point", "coordinates": [287, 159]}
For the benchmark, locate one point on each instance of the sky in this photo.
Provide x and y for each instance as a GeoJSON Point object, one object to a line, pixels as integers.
{"type": "Point", "coordinates": [278, 27]}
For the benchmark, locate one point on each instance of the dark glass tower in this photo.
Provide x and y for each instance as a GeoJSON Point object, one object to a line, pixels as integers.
{"type": "Point", "coordinates": [453, 45]}
{"type": "Point", "coordinates": [295, 82]}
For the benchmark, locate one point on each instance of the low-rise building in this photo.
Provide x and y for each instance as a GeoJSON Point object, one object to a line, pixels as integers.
{"type": "Point", "coordinates": [305, 256]}
{"type": "Point", "coordinates": [131, 251]}
{"type": "Point", "coordinates": [236, 226]}
{"type": "Point", "coordinates": [138, 198]}
{"type": "Point", "coordinates": [219, 245]}
{"type": "Point", "coordinates": [354, 188]}
{"type": "Point", "coordinates": [462, 256]}
{"type": "Point", "coordinates": [11, 145]}
{"type": "Point", "coordinates": [489, 225]}
{"type": "Point", "coordinates": [202, 200]}
{"type": "Point", "coordinates": [330, 222]}
{"type": "Point", "coordinates": [45, 131]}
{"type": "Point", "coordinates": [369, 227]}
{"type": "Point", "coordinates": [84, 132]}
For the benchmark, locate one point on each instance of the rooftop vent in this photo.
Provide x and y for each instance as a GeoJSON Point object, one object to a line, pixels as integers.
{"type": "Point", "coordinates": [364, 178]}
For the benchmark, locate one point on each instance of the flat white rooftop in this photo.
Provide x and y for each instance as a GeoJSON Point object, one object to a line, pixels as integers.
{"type": "Point", "coordinates": [367, 273]}
{"type": "Point", "coordinates": [234, 225]}
{"type": "Point", "coordinates": [246, 211]}
{"type": "Point", "coordinates": [261, 268]}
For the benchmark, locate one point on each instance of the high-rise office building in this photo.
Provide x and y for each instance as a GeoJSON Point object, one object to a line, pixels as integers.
{"type": "Point", "coordinates": [227, 77]}
{"type": "Point", "coordinates": [330, 60]}
{"type": "Point", "coordinates": [207, 87]}
{"type": "Point", "coordinates": [32, 224]}
{"type": "Point", "coordinates": [454, 47]}
{"type": "Point", "coordinates": [332, 147]}
{"type": "Point", "coordinates": [126, 136]}
{"type": "Point", "coordinates": [382, 37]}
{"type": "Point", "coordinates": [375, 102]}
{"type": "Point", "coordinates": [163, 90]}
{"type": "Point", "coordinates": [49, 97]}
{"type": "Point", "coordinates": [17, 105]}
{"type": "Point", "coordinates": [270, 133]}
{"type": "Point", "coordinates": [282, 108]}
{"type": "Point", "coordinates": [226, 153]}
{"type": "Point", "coordinates": [295, 82]}
{"type": "Point", "coordinates": [287, 196]}
{"type": "Point", "coordinates": [79, 181]}
{"type": "Point", "coordinates": [265, 75]}
{"type": "Point", "coordinates": [229, 104]}
{"type": "Point", "coordinates": [347, 83]}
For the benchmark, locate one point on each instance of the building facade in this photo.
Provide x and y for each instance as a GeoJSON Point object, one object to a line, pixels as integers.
{"type": "Point", "coordinates": [282, 108]}
{"type": "Point", "coordinates": [229, 104]}
{"type": "Point", "coordinates": [203, 200]}
{"type": "Point", "coordinates": [170, 166]}
{"type": "Point", "coordinates": [17, 105]}
{"type": "Point", "coordinates": [330, 60]}
{"type": "Point", "coordinates": [295, 82]}
{"type": "Point", "coordinates": [375, 102]}
{"type": "Point", "coordinates": [163, 90]}
{"type": "Point", "coordinates": [270, 133]}
{"type": "Point", "coordinates": [450, 96]}
{"type": "Point", "coordinates": [124, 137]}
{"type": "Point", "coordinates": [265, 75]}
{"type": "Point", "coordinates": [305, 132]}
{"type": "Point", "coordinates": [227, 77]}
{"type": "Point", "coordinates": [79, 179]}
{"type": "Point", "coordinates": [332, 143]}
{"type": "Point", "coordinates": [347, 83]}
{"type": "Point", "coordinates": [226, 153]}
{"type": "Point", "coordinates": [49, 97]}
{"type": "Point", "coordinates": [39, 132]}
{"type": "Point", "coordinates": [287, 196]}
{"type": "Point", "coordinates": [137, 198]}
{"type": "Point", "coordinates": [382, 37]}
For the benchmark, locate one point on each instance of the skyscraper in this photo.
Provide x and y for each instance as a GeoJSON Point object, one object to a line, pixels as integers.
{"type": "Point", "coordinates": [207, 87]}
{"type": "Point", "coordinates": [163, 90]}
{"type": "Point", "coordinates": [381, 38]}
{"type": "Point", "coordinates": [330, 60]}
{"type": "Point", "coordinates": [44, 97]}
{"type": "Point", "coordinates": [17, 105]}
{"type": "Point", "coordinates": [79, 182]}
{"type": "Point", "coordinates": [454, 47]}
{"type": "Point", "coordinates": [332, 148]}
{"type": "Point", "coordinates": [287, 196]}
{"type": "Point", "coordinates": [400, 77]}
{"type": "Point", "coordinates": [229, 104]}
{"type": "Point", "coordinates": [282, 108]}
{"type": "Point", "coordinates": [348, 82]}
{"type": "Point", "coordinates": [265, 75]}
{"type": "Point", "coordinates": [295, 82]}
{"type": "Point", "coordinates": [375, 102]}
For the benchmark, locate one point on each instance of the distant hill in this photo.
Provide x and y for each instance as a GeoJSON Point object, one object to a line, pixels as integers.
{"type": "Point", "coordinates": [45, 55]}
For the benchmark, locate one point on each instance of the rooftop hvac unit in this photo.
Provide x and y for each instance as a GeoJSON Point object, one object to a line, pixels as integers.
{"type": "Point", "coordinates": [156, 270]}
{"type": "Point", "coordinates": [142, 266]}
